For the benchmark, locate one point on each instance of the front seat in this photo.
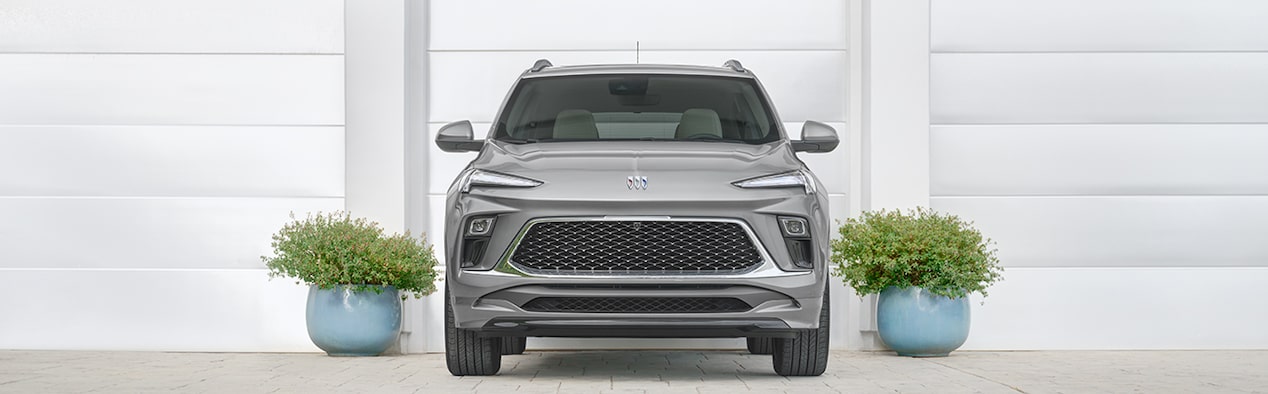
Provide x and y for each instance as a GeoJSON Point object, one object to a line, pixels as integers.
{"type": "Point", "coordinates": [575, 124]}
{"type": "Point", "coordinates": [698, 123]}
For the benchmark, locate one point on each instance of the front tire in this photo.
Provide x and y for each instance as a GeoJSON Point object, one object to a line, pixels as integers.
{"type": "Point", "coordinates": [514, 345]}
{"type": "Point", "coordinates": [807, 353]}
{"type": "Point", "coordinates": [467, 353]}
{"type": "Point", "coordinates": [761, 345]}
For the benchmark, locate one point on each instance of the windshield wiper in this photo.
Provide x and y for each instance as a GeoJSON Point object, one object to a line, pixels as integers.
{"type": "Point", "coordinates": [730, 140]}
{"type": "Point", "coordinates": [520, 141]}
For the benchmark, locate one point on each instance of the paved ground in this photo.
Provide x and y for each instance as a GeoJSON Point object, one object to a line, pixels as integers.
{"type": "Point", "coordinates": [639, 372]}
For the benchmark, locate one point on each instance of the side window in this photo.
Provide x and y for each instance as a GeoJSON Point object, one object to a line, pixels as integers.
{"type": "Point", "coordinates": [517, 110]}
{"type": "Point", "coordinates": [754, 114]}
{"type": "Point", "coordinates": [533, 124]}
{"type": "Point", "coordinates": [743, 119]}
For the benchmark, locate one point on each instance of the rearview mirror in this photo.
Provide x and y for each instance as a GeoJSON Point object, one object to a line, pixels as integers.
{"type": "Point", "coordinates": [816, 137]}
{"type": "Point", "coordinates": [458, 137]}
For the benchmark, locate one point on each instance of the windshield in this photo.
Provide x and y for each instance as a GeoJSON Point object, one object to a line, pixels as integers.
{"type": "Point", "coordinates": [637, 107]}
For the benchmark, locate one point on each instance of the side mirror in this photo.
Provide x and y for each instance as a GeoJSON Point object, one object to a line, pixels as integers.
{"type": "Point", "coordinates": [458, 137]}
{"type": "Point", "coordinates": [816, 137]}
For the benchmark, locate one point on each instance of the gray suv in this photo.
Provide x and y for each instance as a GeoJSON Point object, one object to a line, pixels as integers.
{"type": "Point", "coordinates": [643, 201]}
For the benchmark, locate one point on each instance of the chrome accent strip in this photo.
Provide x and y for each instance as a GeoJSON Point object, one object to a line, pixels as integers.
{"type": "Point", "coordinates": [766, 269]}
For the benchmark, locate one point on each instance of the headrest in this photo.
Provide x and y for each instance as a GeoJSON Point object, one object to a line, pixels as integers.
{"type": "Point", "coordinates": [575, 124]}
{"type": "Point", "coordinates": [699, 121]}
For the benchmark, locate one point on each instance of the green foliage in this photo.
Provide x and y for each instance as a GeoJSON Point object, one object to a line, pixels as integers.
{"type": "Point", "coordinates": [921, 248]}
{"type": "Point", "coordinates": [335, 249]}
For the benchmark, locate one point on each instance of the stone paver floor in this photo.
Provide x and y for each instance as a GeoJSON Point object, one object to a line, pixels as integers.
{"type": "Point", "coordinates": [652, 371]}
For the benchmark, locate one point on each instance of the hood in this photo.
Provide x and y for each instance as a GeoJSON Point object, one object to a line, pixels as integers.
{"type": "Point", "coordinates": [601, 169]}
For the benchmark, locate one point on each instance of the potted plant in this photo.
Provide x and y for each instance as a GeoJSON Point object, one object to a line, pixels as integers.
{"type": "Point", "coordinates": [924, 265]}
{"type": "Point", "coordinates": [357, 277]}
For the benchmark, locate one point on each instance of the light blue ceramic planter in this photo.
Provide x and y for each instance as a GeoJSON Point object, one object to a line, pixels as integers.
{"type": "Point", "coordinates": [917, 323]}
{"type": "Point", "coordinates": [347, 323]}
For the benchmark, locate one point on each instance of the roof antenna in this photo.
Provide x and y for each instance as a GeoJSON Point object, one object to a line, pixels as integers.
{"type": "Point", "coordinates": [636, 50]}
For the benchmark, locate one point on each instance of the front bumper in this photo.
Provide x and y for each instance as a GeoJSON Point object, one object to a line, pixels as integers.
{"type": "Point", "coordinates": [694, 327]}
{"type": "Point", "coordinates": [488, 297]}
{"type": "Point", "coordinates": [491, 302]}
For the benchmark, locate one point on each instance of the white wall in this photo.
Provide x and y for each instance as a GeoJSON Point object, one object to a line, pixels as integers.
{"type": "Point", "coordinates": [476, 49]}
{"type": "Point", "coordinates": [1114, 149]}
{"type": "Point", "coordinates": [148, 148]}
{"type": "Point", "coordinates": [377, 141]}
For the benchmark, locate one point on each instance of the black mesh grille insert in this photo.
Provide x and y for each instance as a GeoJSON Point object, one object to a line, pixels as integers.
{"type": "Point", "coordinates": [636, 247]}
{"type": "Point", "coordinates": [637, 304]}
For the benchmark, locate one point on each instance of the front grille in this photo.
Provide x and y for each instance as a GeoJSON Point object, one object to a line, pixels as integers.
{"type": "Point", "coordinates": [636, 247]}
{"type": "Point", "coordinates": [637, 304]}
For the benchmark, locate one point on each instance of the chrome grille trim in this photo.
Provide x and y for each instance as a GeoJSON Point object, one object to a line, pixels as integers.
{"type": "Point", "coordinates": [508, 266]}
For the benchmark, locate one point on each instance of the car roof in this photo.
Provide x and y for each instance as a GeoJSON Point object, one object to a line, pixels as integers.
{"type": "Point", "coordinates": [671, 69]}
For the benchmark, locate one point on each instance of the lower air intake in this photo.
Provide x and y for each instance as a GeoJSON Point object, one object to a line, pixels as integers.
{"type": "Point", "coordinates": [637, 305]}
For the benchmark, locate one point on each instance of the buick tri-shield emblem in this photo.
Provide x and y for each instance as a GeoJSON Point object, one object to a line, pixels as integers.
{"type": "Point", "coordinates": [636, 182]}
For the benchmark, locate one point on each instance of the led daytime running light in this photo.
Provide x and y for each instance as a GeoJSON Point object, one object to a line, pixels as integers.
{"type": "Point", "coordinates": [787, 179]}
{"type": "Point", "coordinates": [489, 178]}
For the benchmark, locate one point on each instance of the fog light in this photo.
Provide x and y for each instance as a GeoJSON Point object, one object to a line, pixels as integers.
{"type": "Point", "coordinates": [480, 226]}
{"type": "Point", "coordinates": [799, 250]}
{"type": "Point", "coordinates": [794, 227]}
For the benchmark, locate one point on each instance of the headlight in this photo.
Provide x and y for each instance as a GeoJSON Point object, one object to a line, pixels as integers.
{"type": "Point", "coordinates": [788, 179]}
{"type": "Point", "coordinates": [489, 178]}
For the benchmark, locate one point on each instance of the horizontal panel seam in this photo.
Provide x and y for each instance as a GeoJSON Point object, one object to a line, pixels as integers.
{"type": "Point", "coordinates": [437, 122]}
{"type": "Point", "coordinates": [3, 125]}
{"type": "Point", "coordinates": [631, 50]}
{"type": "Point", "coordinates": [135, 269]}
{"type": "Point", "coordinates": [1095, 52]}
{"type": "Point", "coordinates": [175, 53]}
{"type": "Point", "coordinates": [1007, 268]}
{"type": "Point", "coordinates": [36, 197]}
{"type": "Point", "coordinates": [1100, 124]}
{"type": "Point", "coordinates": [1134, 268]}
{"type": "Point", "coordinates": [443, 194]}
{"type": "Point", "coordinates": [1179, 195]}
{"type": "Point", "coordinates": [486, 122]}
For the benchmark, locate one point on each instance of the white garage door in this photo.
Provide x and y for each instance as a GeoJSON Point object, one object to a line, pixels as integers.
{"type": "Point", "coordinates": [476, 49]}
{"type": "Point", "coordinates": [146, 154]}
{"type": "Point", "coordinates": [1116, 151]}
